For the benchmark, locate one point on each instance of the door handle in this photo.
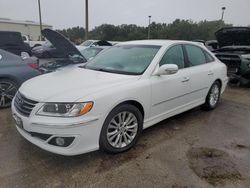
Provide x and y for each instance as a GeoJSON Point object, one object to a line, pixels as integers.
{"type": "Point", "coordinates": [210, 73]}
{"type": "Point", "coordinates": [185, 79]}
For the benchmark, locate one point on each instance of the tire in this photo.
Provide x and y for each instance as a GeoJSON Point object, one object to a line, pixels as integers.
{"type": "Point", "coordinates": [8, 90]}
{"type": "Point", "coordinates": [213, 97]}
{"type": "Point", "coordinates": [122, 136]}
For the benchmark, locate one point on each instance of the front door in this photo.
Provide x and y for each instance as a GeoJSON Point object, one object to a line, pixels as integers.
{"type": "Point", "coordinates": [170, 92]}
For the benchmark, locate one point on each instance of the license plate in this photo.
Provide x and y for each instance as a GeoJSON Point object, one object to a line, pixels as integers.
{"type": "Point", "coordinates": [19, 121]}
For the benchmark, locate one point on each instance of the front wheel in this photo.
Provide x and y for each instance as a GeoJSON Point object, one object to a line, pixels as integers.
{"type": "Point", "coordinates": [213, 96]}
{"type": "Point", "coordinates": [121, 129]}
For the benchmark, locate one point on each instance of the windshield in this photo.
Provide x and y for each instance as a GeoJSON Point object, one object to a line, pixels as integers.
{"type": "Point", "coordinates": [89, 53]}
{"type": "Point", "coordinates": [125, 59]}
{"type": "Point", "coordinates": [87, 43]}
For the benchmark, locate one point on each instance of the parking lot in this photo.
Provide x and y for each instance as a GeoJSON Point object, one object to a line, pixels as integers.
{"type": "Point", "coordinates": [194, 149]}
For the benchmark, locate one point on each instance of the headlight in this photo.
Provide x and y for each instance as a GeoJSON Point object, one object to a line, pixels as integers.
{"type": "Point", "coordinates": [247, 56]}
{"type": "Point", "coordinates": [65, 109]}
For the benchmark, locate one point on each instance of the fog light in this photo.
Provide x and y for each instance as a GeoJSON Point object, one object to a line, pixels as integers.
{"type": "Point", "coordinates": [60, 141]}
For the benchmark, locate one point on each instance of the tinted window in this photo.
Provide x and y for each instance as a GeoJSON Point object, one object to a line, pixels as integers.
{"type": "Point", "coordinates": [195, 55]}
{"type": "Point", "coordinates": [208, 57]}
{"type": "Point", "coordinates": [174, 56]}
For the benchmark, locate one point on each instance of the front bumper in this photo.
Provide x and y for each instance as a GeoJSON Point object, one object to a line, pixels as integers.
{"type": "Point", "coordinates": [85, 133]}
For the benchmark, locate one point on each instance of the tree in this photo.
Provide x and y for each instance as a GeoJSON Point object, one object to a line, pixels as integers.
{"type": "Point", "coordinates": [178, 29]}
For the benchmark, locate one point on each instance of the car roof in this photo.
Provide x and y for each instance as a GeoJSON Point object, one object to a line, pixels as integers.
{"type": "Point", "coordinates": [155, 42]}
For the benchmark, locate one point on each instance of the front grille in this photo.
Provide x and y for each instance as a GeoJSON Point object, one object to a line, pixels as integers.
{"type": "Point", "coordinates": [23, 105]}
{"type": "Point", "coordinates": [232, 62]}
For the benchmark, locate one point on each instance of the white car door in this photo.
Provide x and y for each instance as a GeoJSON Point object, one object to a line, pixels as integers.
{"type": "Point", "coordinates": [201, 72]}
{"type": "Point", "coordinates": [170, 92]}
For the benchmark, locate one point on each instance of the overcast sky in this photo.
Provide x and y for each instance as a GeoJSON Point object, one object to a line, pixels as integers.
{"type": "Point", "coordinates": [68, 13]}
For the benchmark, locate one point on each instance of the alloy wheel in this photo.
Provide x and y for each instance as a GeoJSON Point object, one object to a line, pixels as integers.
{"type": "Point", "coordinates": [214, 95]}
{"type": "Point", "coordinates": [122, 129]}
{"type": "Point", "coordinates": [7, 93]}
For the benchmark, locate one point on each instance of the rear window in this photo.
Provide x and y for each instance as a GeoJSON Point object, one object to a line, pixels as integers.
{"type": "Point", "coordinates": [195, 55]}
{"type": "Point", "coordinates": [209, 58]}
{"type": "Point", "coordinates": [10, 39]}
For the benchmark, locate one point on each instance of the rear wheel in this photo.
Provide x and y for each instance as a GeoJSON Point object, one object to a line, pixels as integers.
{"type": "Point", "coordinates": [121, 129]}
{"type": "Point", "coordinates": [8, 90]}
{"type": "Point", "coordinates": [213, 96]}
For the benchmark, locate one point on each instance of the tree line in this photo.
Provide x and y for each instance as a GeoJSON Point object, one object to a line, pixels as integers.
{"type": "Point", "coordinates": [178, 29]}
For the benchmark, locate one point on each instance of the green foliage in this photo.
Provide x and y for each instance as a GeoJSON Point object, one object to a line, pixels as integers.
{"type": "Point", "coordinates": [178, 29]}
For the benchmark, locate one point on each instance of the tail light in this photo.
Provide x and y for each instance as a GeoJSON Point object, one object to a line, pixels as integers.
{"type": "Point", "coordinates": [33, 65]}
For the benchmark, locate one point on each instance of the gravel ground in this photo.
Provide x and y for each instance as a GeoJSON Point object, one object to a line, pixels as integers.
{"type": "Point", "coordinates": [194, 149]}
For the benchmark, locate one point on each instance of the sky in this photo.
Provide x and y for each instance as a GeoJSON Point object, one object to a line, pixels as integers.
{"type": "Point", "coordinates": [69, 13]}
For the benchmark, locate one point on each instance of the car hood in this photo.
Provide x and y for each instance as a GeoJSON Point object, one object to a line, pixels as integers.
{"type": "Point", "coordinates": [70, 85]}
{"type": "Point", "coordinates": [233, 36]}
{"type": "Point", "coordinates": [60, 42]}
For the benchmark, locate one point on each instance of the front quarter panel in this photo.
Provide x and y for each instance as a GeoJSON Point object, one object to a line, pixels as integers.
{"type": "Point", "coordinates": [105, 101]}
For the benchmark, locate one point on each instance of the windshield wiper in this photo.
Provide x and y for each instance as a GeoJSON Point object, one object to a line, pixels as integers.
{"type": "Point", "coordinates": [101, 69]}
{"type": "Point", "coordinates": [110, 70]}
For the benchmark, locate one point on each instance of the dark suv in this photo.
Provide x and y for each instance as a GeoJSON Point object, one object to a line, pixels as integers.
{"type": "Point", "coordinates": [234, 51]}
{"type": "Point", "coordinates": [13, 42]}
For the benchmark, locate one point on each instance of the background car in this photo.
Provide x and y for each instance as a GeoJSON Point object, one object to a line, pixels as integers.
{"type": "Point", "coordinates": [91, 43]}
{"type": "Point", "coordinates": [32, 43]}
{"type": "Point", "coordinates": [91, 52]}
{"type": "Point", "coordinates": [212, 45]}
{"type": "Point", "coordinates": [234, 51]}
{"type": "Point", "coordinates": [71, 55]}
{"type": "Point", "coordinates": [47, 50]}
{"type": "Point", "coordinates": [13, 72]}
{"type": "Point", "coordinates": [13, 42]}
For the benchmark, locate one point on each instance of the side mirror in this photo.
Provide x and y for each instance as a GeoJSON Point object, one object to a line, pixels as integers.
{"type": "Point", "coordinates": [1, 57]}
{"type": "Point", "coordinates": [25, 55]}
{"type": "Point", "coordinates": [167, 69]}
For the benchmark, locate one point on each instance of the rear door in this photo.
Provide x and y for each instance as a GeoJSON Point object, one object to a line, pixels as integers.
{"type": "Point", "coordinates": [201, 66]}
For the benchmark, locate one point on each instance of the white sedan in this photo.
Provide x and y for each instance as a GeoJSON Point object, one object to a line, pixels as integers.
{"type": "Point", "coordinates": [108, 102]}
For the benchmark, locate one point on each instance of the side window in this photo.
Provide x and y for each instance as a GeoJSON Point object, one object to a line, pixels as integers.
{"type": "Point", "coordinates": [209, 58]}
{"type": "Point", "coordinates": [174, 56]}
{"type": "Point", "coordinates": [195, 55]}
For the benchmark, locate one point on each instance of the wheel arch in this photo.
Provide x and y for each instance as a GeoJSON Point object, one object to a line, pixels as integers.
{"type": "Point", "coordinates": [219, 80]}
{"type": "Point", "coordinates": [136, 104]}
